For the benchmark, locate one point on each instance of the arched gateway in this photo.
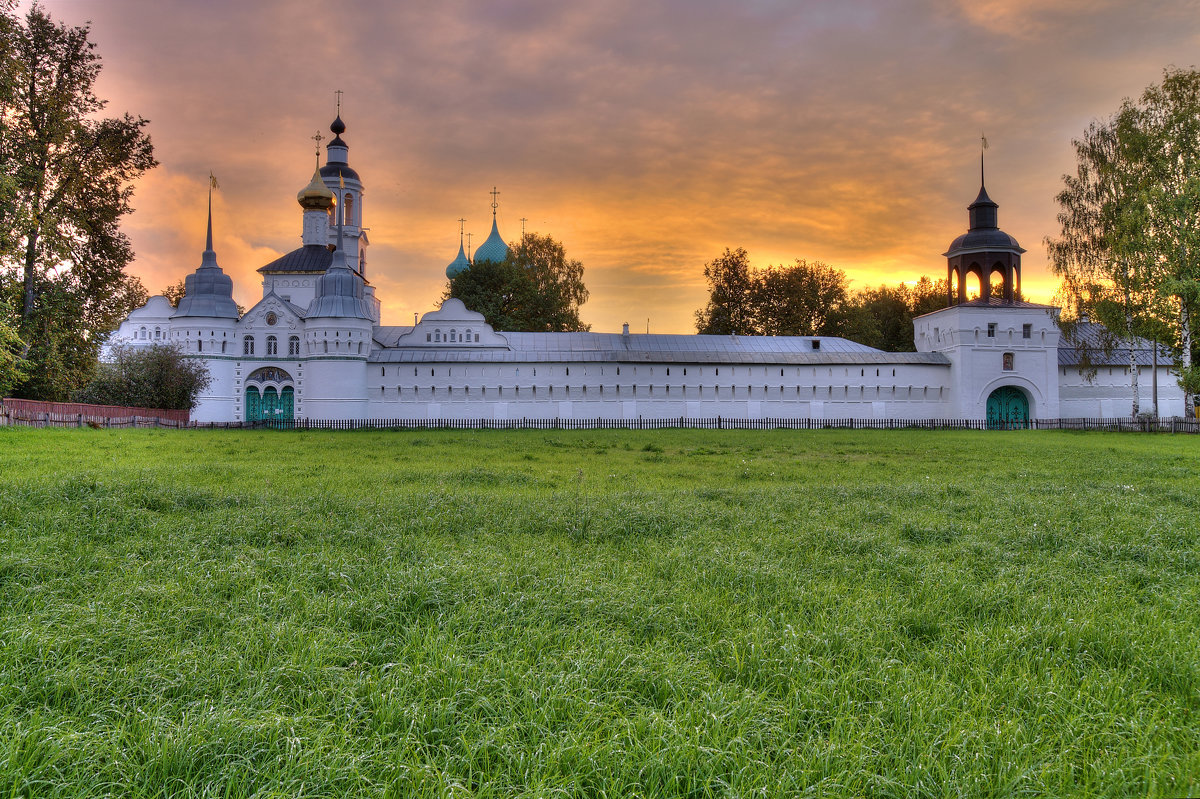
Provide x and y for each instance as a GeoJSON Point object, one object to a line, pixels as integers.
{"type": "Point", "coordinates": [270, 396]}
{"type": "Point", "coordinates": [1007, 409]}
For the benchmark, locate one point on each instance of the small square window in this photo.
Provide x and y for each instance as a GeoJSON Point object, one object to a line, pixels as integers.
{"type": "Point", "coordinates": [1026, 331]}
{"type": "Point", "coordinates": [991, 329]}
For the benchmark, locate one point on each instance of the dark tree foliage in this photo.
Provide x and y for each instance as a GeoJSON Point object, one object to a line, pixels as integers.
{"type": "Point", "coordinates": [810, 298]}
{"type": "Point", "coordinates": [67, 184]}
{"type": "Point", "coordinates": [731, 286]}
{"type": "Point", "coordinates": [807, 298]}
{"type": "Point", "coordinates": [174, 293]}
{"type": "Point", "coordinates": [13, 367]}
{"type": "Point", "coordinates": [535, 289]}
{"type": "Point", "coordinates": [882, 317]}
{"type": "Point", "coordinates": [160, 376]}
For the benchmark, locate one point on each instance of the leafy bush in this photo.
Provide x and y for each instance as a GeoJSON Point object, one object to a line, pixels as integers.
{"type": "Point", "coordinates": [159, 376]}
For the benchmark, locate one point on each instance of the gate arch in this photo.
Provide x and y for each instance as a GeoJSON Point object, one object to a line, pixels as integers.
{"type": "Point", "coordinates": [270, 395]}
{"type": "Point", "coordinates": [1007, 409]}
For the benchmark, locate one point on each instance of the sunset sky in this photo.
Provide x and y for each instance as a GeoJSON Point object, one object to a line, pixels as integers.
{"type": "Point", "coordinates": [646, 136]}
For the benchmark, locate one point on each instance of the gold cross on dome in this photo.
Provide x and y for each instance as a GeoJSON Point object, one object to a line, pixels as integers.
{"type": "Point", "coordinates": [495, 204]}
{"type": "Point", "coordinates": [338, 92]}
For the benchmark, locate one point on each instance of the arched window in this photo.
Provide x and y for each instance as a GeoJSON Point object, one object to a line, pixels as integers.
{"type": "Point", "coordinates": [272, 346]}
{"type": "Point", "coordinates": [294, 345]}
{"type": "Point", "coordinates": [248, 345]}
{"type": "Point", "coordinates": [437, 334]}
{"type": "Point", "coordinates": [157, 333]}
{"type": "Point", "coordinates": [141, 332]}
{"type": "Point", "coordinates": [453, 335]}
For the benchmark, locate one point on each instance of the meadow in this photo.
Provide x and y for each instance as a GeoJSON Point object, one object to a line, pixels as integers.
{"type": "Point", "coordinates": [598, 614]}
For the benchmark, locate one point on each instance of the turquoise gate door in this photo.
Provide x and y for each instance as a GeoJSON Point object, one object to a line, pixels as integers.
{"type": "Point", "coordinates": [1007, 409]}
{"type": "Point", "coordinates": [287, 404]}
{"type": "Point", "coordinates": [270, 397]}
{"type": "Point", "coordinates": [253, 404]}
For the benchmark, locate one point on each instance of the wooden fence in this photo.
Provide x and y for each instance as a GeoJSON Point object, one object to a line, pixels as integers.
{"type": "Point", "coordinates": [1144, 425]}
{"type": "Point", "coordinates": [32, 413]}
{"type": "Point", "coordinates": [146, 418]}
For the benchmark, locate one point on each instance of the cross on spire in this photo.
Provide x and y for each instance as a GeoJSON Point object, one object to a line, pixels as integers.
{"type": "Point", "coordinates": [318, 139]}
{"type": "Point", "coordinates": [495, 204]}
{"type": "Point", "coordinates": [523, 221]}
{"type": "Point", "coordinates": [338, 92]}
{"type": "Point", "coordinates": [461, 227]}
{"type": "Point", "coordinates": [468, 245]}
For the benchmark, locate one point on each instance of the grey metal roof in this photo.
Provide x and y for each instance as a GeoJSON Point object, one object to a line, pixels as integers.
{"type": "Point", "coordinates": [309, 258]}
{"type": "Point", "coordinates": [1093, 344]}
{"type": "Point", "coordinates": [994, 301]}
{"type": "Point", "coordinates": [983, 240]}
{"type": "Point", "coordinates": [656, 348]}
{"type": "Point", "coordinates": [207, 292]}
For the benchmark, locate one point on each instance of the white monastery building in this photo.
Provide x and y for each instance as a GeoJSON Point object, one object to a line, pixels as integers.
{"type": "Point", "coordinates": [313, 347]}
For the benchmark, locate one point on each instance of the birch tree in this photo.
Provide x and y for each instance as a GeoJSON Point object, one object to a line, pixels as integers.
{"type": "Point", "coordinates": [1100, 253]}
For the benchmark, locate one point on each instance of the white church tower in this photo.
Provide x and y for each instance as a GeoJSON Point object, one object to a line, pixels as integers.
{"type": "Point", "coordinates": [204, 325]}
{"type": "Point", "coordinates": [338, 327]}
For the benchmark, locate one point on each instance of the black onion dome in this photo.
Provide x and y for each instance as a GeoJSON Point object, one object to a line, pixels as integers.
{"type": "Point", "coordinates": [338, 128]}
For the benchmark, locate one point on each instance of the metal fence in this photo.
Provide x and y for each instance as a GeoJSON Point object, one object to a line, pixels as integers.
{"type": "Point", "coordinates": [1121, 425]}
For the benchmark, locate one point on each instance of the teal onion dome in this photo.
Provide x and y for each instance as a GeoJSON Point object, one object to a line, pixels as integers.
{"type": "Point", "coordinates": [459, 264]}
{"type": "Point", "coordinates": [494, 248]}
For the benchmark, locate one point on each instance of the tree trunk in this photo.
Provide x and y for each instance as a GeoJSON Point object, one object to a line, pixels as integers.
{"type": "Point", "coordinates": [1185, 346]}
{"type": "Point", "coordinates": [30, 264]}
{"type": "Point", "coordinates": [1133, 367]}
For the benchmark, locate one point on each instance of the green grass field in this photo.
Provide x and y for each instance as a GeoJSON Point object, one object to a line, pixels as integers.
{"type": "Point", "coordinates": [598, 614]}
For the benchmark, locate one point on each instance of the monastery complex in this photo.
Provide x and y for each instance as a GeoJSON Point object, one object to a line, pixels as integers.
{"type": "Point", "coordinates": [313, 347]}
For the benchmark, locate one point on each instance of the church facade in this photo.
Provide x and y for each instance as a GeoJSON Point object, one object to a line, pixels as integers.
{"type": "Point", "coordinates": [313, 347]}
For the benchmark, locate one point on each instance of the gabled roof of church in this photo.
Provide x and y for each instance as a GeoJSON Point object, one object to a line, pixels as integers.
{"type": "Point", "coordinates": [309, 258]}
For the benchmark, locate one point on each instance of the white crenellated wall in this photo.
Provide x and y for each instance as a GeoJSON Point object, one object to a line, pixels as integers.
{"type": "Point", "coordinates": [512, 390]}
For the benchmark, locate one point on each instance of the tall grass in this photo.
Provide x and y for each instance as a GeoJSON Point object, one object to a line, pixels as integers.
{"type": "Point", "coordinates": [618, 613]}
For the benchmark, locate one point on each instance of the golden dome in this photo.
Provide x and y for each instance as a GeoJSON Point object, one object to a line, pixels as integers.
{"type": "Point", "coordinates": [316, 195]}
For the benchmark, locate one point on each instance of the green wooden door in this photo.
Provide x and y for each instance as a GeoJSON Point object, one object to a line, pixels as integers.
{"type": "Point", "coordinates": [1007, 409]}
{"type": "Point", "coordinates": [287, 404]}
{"type": "Point", "coordinates": [253, 404]}
{"type": "Point", "coordinates": [270, 404]}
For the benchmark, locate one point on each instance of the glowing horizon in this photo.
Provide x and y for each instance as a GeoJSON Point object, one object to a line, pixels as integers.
{"type": "Point", "coordinates": [646, 138]}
